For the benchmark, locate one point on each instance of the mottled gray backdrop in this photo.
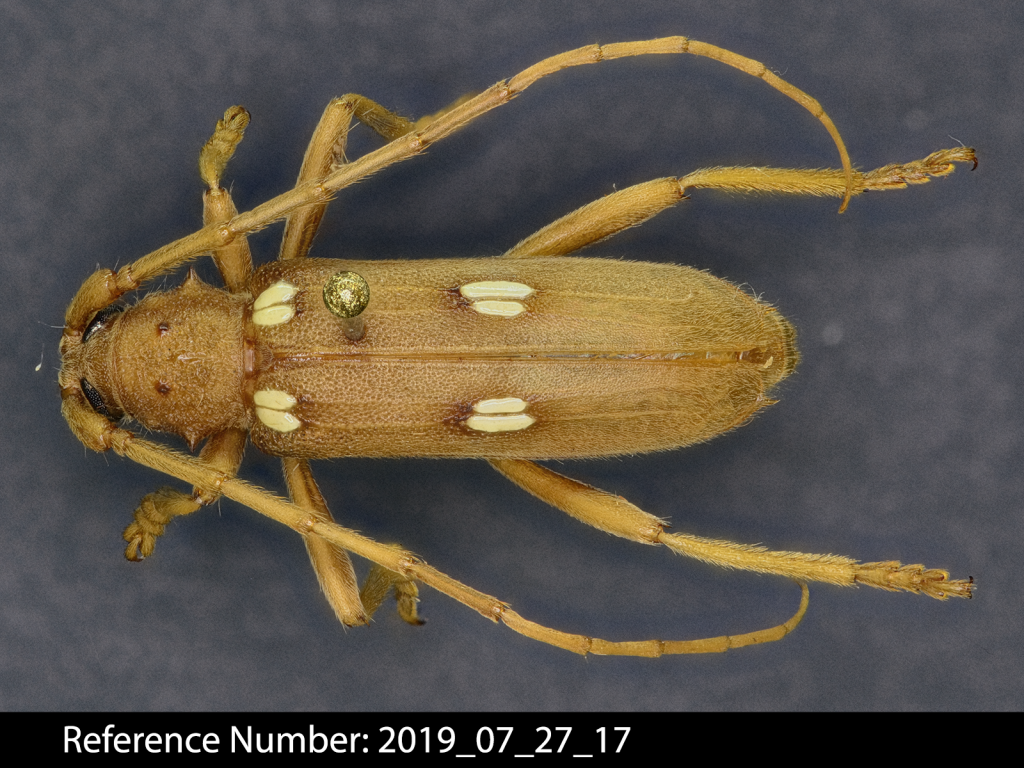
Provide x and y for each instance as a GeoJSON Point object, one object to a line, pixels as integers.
{"type": "Point", "coordinates": [900, 437]}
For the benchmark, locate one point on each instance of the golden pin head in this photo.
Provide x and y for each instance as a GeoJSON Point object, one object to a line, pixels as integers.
{"type": "Point", "coordinates": [346, 294]}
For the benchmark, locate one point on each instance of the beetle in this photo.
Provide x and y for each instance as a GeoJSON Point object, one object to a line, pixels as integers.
{"type": "Point", "coordinates": [528, 356]}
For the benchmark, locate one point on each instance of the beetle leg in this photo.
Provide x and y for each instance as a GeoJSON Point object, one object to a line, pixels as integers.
{"type": "Point", "coordinates": [634, 205]}
{"type": "Point", "coordinates": [380, 582]}
{"type": "Point", "coordinates": [332, 565]}
{"type": "Point", "coordinates": [600, 219]}
{"type": "Point", "coordinates": [222, 453]}
{"type": "Point", "coordinates": [617, 516]}
{"type": "Point", "coordinates": [829, 182]}
{"type": "Point", "coordinates": [233, 260]}
{"type": "Point", "coordinates": [154, 512]}
{"type": "Point", "coordinates": [326, 151]}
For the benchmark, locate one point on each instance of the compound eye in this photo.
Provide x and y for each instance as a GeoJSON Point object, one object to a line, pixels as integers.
{"type": "Point", "coordinates": [94, 398]}
{"type": "Point", "coordinates": [101, 320]}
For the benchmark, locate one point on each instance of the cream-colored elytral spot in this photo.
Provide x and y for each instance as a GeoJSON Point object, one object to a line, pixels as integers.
{"type": "Point", "coordinates": [499, 308]}
{"type": "Point", "coordinates": [496, 289]}
{"type": "Point", "coordinates": [493, 297]}
{"type": "Point", "coordinates": [273, 306]}
{"type": "Point", "coordinates": [279, 293]}
{"type": "Point", "coordinates": [272, 406]}
{"type": "Point", "coordinates": [279, 421]}
{"type": "Point", "coordinates": [506, 422]}
{"type": "Point", "coordinates": [501, 405]}
{"type": "Point", "coordinates": [274, 398]}
{"type": "Point", "coordinates": [500, 414]}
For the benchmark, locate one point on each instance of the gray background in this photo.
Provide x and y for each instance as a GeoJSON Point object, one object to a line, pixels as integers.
{"type": "Point", "coordinates": [899, 437]}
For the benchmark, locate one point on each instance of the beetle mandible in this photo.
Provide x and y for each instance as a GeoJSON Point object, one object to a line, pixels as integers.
{"type": "Point", "coordinates": [528, 356]}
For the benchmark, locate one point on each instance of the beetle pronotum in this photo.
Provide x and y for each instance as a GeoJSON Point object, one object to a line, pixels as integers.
{"type": "Point", "coordinates": [528, 356]}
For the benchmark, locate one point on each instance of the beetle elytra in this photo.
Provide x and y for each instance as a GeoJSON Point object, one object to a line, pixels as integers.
{"type": "Point", "coordinates": [529, 356]}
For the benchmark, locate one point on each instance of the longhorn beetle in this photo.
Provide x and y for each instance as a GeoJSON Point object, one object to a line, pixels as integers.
{"type": "Point", "coordinates": [530, 355]}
